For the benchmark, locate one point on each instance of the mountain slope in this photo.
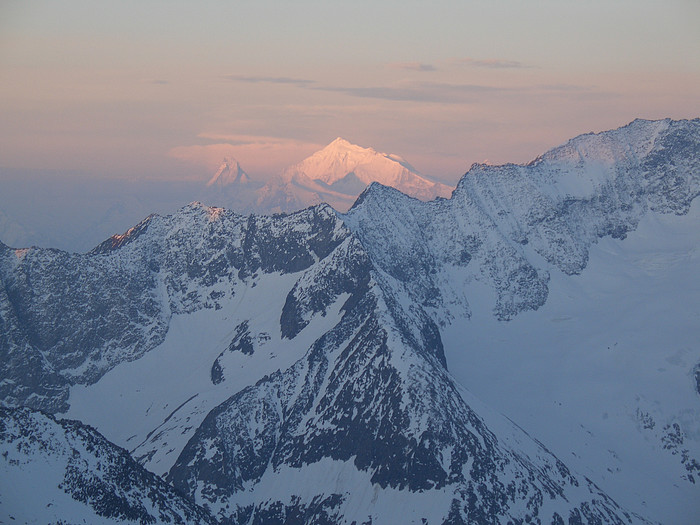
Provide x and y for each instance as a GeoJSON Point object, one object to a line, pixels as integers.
{"type": "Point", "coordinates": [372, 377]}
{"type": "Point", "coordinates": [510, 237]}
{"type": "Point", "coordinates": [63, 471]}
{"type": "Point", "coordinates": [241, 354]}
{"type": "Point", "coordinates": [344, 166]}
{"type": "Point", "coordinates": [503, 220]}
{"type": "Point", "coordinates": [336, 175]}
{"type": "Point", "coordinates": [231, 187]}
{"type": "Point", "coordinates": [372, 407]}
{"type": "Point", "coordinates": [115, 303]}
{"type": "Point", "coordinates": [603, 371]}
{"type": "Point", "coordinates": [230, 172]}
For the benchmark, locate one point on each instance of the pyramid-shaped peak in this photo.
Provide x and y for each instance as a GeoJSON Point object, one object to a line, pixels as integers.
{"type": "Point", "coordinates": [229, 172]}
{"type": "Point", "coordinates": [230, 165]}
{"type": "Point", "coordinates": [230, 162]}
{"type": "Point", "coordinates": [342, 145]}
{"type": "Point", "coordinates": [347, 168]}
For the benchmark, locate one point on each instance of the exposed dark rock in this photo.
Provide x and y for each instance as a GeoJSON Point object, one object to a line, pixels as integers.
{"type": "Point", "coordinates": [95, 472]}
{"type": "Point", "coordinates": [115, 303]}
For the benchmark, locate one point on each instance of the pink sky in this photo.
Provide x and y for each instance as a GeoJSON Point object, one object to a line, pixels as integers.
{"type": "Point", "coordinates": [166, 89]}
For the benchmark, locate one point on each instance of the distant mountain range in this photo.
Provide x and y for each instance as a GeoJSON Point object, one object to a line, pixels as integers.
{"type": "Point", "coordinates": [522, 352]}
{"type": "Point", "coordinates": [336, 175]}
{"type": "Point", "coordinates": [229, 174]}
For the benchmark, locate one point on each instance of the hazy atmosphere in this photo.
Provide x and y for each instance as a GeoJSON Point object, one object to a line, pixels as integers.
{"type": "Point", "coordinates": [131, 92]}
{"type": "Point", "coordinates": [313, 262]}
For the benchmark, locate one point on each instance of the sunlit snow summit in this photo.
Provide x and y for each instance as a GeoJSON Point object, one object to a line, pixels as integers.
{"type": "Point", "coordinates": [337, 175]}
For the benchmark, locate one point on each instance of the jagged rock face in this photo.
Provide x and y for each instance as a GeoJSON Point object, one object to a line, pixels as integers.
{"type": "Point", "coordinates": [73, 319]}
{"type": "Point", "coordinates": [424, 244]}
{"type": "Point", "coordinates": [26, 374]}
{"type": "Point", "coordinates": [373, 393]}
{"type": "Point", "coordinates": [115, 303]}
{"type": "Point", "coordinates": [365, 413]}
{"type": "Point", "coordinates": [63, 470]}
{"type": "Point", "coordinates": [502, 219]}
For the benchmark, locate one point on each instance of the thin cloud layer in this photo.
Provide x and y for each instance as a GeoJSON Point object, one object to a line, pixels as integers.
{"type": "Point", "coordinates": [412, 66]}
{"type": "Point", "coordinates": [77, 95]}
{"type": "Point", "coordinates": [493, 63]}
{"type": "Point", "coordinates": [427, 91]}
{"type": "Point", "coordinates": [261, 157]}
{"type": "Point", "coordinates": [420, 92]}
{"type": "Point", "coordinates": [269, 80]}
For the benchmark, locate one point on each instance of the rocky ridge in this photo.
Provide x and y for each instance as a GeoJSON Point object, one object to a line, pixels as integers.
{"type": "Point", "coordinates": [371, 400]}
{"type": "Point", "coordinates": [63, 471]}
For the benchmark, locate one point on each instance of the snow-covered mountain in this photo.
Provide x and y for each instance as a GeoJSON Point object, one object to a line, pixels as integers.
{"type": "Point", "coordinates": [338, 173]}
{"type": "Point", "coordinates": [230, 172]}
{"type": "Point", "coordinates": [598, 363]}
{"type": "Point", "coordinates": [336, 376]}
{"type": "Point", "coordinates": [335, 175]}
{"type": "Point", "coordinates": [66, 472]}
{"type": "Point", "coordinates": [232, 188]}
{"type": "Point", "coordinates": [372, 354]}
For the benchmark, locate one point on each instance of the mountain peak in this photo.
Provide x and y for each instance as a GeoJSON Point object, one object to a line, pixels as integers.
{"type": "Point", "coordinates": [342, 146]}
{"type": "Point", "coordinates": [229, 172]}
{"type": "Point", "coordinates": [348, 168]}
{"type": "Point", "coordinates": [335, 174]}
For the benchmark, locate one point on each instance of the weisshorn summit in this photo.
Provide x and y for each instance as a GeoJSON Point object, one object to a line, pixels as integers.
{"type": "Point", "coordinates": [522, 352]}
{"type": "Point", "coordinates": [335, 175]}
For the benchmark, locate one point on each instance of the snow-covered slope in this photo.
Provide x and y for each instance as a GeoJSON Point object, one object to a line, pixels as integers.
{"type": "Point", "coordinates": [336, 175]}
{"type": "Point", "coordinates": [347, 168]}
{"type": "Point", "coordinates": [230, 172]}
{"type": "Point", "coordinates": [372, 408]}
{"type": "Point", "coordinates": [232, 188]}
{"type": "Point", "coordinates": [616, 379]}
{"type": "Point", "coordinates": [603, 372]}
{"type": "Point", "coordinates": [507, 227]}
{"type": "Point", "coordinates": [241, 354]}
{"type": "Point", "coordinates": [116, 302]}
{"type": "Point", "coordinates": [316, 358]}
{"type": "Point", "coordinates": [60, 471]}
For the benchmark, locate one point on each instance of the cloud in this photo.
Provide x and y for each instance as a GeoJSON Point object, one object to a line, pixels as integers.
{"type": "Point", "coordinates": [566, 88]}
{"type": "Point", "coordinates": [160, 81]}
{"type": "Point", "coordinates": [493, 95]}
{"type": "Point", "coordinates": [493, 63]}
{"type": "Point", "coordinates": [412, 66]}
{"type": "Point", "coordinates": [580, 93]}
{"type": "Point", "coordinates": [269, 80]}
{"type": "Point", "coordinates": [421, 92]}
{"type": "Point", "coordinates": [260, 156]}
{"type": "Point", "coordinates": [246, 140]}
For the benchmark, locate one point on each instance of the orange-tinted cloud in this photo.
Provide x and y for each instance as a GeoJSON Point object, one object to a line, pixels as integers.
{"type": "Point", "coordinates": [268, 80]}
{"type": "Point", "coordinates": [438, 92]}
{"type": "Point", "coordinates": [412, 66]}
{"type": "Point", "coordinates": [259, 156]}
{"type": "Point", "coordinates": [493, 63]}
